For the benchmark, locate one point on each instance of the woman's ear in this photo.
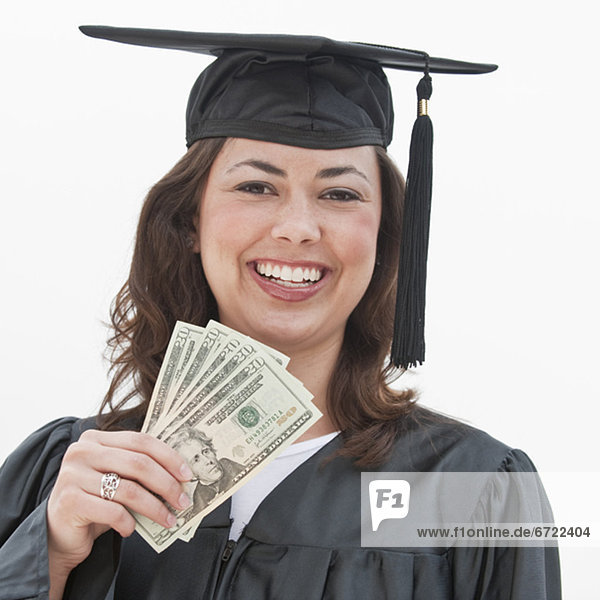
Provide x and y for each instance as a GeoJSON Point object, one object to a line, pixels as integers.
{"type": "Point", "coordinates": [190, 242]}
{"type": "Point", "coordinates": [193, 242]}
{"type": "Point", "coordinates": [193, 239]}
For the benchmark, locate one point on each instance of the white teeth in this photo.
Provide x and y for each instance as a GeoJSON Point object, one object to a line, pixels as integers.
{"type": "Point", "coordinates": [287, 274]}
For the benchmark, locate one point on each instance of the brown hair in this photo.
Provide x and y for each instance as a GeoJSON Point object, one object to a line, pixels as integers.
{"type": "Point", "coordinates": [167, 283]}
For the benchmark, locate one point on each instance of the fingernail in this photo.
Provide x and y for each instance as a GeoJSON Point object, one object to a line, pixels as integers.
{"type": "Point", "coordinates": [185, 471]}
{"type": "Point", "coordinates": [171, 520]}
{"type": "Point", "coordinates": [184, 500]}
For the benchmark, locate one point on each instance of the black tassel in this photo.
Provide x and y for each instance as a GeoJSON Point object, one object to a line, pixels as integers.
{"type": "Point", "coordinates": [408, 345]}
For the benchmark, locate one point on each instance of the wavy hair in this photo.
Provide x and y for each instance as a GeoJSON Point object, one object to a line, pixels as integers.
{"type": "Point", "coordinates": [167, 283]}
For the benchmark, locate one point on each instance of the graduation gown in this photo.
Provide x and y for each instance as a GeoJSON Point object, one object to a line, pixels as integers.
{"type": "Point", "coordinates": [303, 542]}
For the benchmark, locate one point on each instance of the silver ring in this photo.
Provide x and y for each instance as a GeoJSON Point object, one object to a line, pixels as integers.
{"type": "Point", "coordinates": [108, 486]}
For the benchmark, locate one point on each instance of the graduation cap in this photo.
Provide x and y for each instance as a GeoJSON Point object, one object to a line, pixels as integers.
{"type": "Point", "coordinates": [314, 92]}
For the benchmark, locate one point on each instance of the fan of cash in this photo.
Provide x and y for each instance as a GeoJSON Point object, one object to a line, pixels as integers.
{"type": "Point", "coordinates": [226, 403]}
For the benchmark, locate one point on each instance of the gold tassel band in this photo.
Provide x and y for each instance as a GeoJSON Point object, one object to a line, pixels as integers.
{"type": "Point", "coordinates": [423, 107]}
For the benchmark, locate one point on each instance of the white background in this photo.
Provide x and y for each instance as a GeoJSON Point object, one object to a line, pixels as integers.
{"type": "Point", "coordinates": [512, 326]}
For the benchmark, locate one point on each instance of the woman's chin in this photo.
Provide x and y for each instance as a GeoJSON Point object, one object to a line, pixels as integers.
{"type": "Point", "coordinates": [288, 334]}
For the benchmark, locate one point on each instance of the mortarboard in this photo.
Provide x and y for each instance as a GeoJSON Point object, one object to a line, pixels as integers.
{"type": "Point", "coordinates": [314, 92]}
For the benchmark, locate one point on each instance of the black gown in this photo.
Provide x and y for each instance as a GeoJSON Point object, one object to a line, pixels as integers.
{"type": "Point", "coordinates": [303, 542]}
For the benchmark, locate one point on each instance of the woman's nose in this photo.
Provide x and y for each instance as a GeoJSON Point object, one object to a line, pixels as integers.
{"type": "Point", "coordinates": [297, 221]}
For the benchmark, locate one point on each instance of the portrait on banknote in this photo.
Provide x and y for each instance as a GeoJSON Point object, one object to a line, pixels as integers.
{"type": "Point", "coordinates": [212, 475]}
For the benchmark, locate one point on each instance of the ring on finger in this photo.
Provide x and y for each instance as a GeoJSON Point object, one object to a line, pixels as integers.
{"type": "Point", "coordinates": [108, 486]}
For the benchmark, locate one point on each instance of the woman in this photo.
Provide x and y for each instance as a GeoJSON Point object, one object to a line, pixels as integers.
{"type": "Point", "coordinates": [290, 235]}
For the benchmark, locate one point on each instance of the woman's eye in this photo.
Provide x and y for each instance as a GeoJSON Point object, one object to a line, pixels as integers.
{"type": "Point", "coordinates": [342, 195]}
{"type": "Point", "coordinates": [255, 187]}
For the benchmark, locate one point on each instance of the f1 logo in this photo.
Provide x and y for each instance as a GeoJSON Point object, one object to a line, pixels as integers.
{"type": "Point", "coordinates": [388, 499]}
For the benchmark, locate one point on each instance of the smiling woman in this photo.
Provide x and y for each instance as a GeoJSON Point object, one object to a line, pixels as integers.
{"type": "Point", "coordinates": [287, 221]}
{"type": "Point", "coordinates": [295, 220]}
{"type": "Point", "coordinates": [210, 223]}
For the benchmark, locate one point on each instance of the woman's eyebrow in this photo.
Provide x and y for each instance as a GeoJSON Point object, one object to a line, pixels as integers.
{"type": "Point", "coordinates": [260, 164]}
{"type": "Point", "coordinates": [337, 171]}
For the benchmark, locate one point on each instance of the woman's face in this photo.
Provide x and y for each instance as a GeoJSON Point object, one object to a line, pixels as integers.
{"type": "Point", "coordinates": [288, 239]}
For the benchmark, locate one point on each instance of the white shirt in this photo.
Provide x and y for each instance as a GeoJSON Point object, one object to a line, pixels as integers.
{"type": "Point", "coordinates": [246, 500]}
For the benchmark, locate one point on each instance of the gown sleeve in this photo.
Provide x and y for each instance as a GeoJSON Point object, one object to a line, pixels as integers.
{"type": "Point", "coordinates": [509, 573]}
{"type": "Point", "coordinates": [26, 479]}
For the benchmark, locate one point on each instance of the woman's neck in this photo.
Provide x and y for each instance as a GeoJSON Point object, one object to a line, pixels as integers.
{"type": "Point", "coordinates": [314, 368]}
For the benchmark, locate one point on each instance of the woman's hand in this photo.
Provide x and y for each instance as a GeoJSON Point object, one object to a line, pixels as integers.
{"type": "Point", "coordinates": [77, 514]}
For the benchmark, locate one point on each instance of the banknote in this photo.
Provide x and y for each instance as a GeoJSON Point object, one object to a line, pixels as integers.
{"type": "Point", "coordinates": [166, 375]}
{"type": "Point", "coordinates": [177, 392]}
{"type": "Point", "coordinates": [233, 371]}
{"type": "Point", "coordinates": [238, 410]}
{"type": "Point", "coordinates": [212, 358]}
{"type": "Point", "coordinates": [210, 373]}
{"type": "Point", "coordinates": [281, 358]}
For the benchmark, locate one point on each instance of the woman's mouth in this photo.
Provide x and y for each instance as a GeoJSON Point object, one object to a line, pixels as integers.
{"type": "Point", "coordinates": [289, 276]}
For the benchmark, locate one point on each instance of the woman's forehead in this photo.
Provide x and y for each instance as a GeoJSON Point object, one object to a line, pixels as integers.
{"type": "Point", "coordinates": [238, 152]}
